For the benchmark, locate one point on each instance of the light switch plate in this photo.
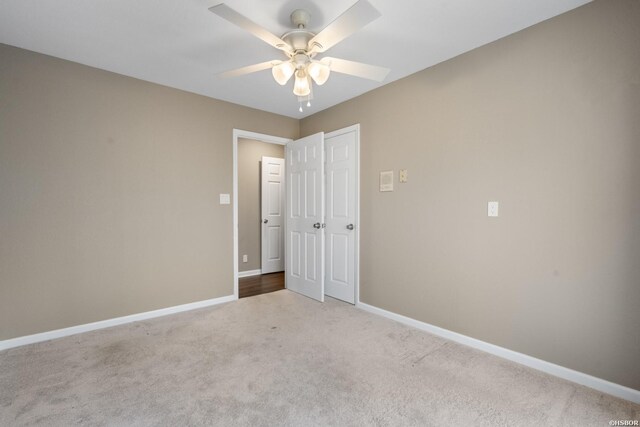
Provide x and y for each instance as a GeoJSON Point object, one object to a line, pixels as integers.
{"type": "Point", "coordinates": [225, 199]}
{"type": "Point", "coordinates": [404, 176]}
{"type": "Point", "coordinates": [492, 209]}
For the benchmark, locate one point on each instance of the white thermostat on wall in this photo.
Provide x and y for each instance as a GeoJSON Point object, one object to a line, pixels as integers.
{"type": "Point", "coordinates": [386, 181]}
{"type": "Point", "coordinates": [225, 199]}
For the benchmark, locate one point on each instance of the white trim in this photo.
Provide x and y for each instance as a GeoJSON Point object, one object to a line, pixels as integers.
{"type": "Point", "coordinates": [59, 333]}
{"type": "Point", "coordinates": [354, 128]}
{"type": "Point", "coordinates": [238, 133]}
{"type": "Point", "coordinates": [532, 362]}
{"type": "Point", "coordinates": [249, 273]}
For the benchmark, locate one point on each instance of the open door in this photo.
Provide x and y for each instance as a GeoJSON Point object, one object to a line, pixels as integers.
{"type": "Point", "coordinates": [272, 207]}
{"type": "Point", "coordinates": [304, 241]}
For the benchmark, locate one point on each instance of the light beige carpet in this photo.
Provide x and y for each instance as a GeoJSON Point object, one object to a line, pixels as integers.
{"type": "Point", "coordinates": [282, 359]}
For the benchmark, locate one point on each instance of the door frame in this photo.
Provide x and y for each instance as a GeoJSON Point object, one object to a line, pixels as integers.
{"type": "Point", "coordinates": [237, 134]}
{"type": "Point", "coordinates": [354, 128]}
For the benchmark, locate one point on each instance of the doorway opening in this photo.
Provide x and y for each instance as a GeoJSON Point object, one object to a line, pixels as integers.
{"type": "Point", "coordinates": [259, 190]}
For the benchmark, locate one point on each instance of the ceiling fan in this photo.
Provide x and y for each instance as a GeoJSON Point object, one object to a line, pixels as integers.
{"type": "Point", "coordinates": [300, 46]}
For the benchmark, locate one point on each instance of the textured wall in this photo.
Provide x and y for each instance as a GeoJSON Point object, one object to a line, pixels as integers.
{"type": "Point", "coordinates": [545, 121]}
{"type": "Point", "coordinates": [109, 193]}
{"type": "Point", "coordinates": [250, 154]}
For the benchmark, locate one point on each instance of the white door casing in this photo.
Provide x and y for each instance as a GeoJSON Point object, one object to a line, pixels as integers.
{"type": "Point", "coordinates": [304, 241]}
{"type": "Point", "coordinates": [272, 207]}
{"type": "Point", "coordinates": [341, 214]}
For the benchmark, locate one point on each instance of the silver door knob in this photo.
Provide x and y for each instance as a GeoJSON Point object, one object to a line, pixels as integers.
{"type": "Point", "coordinates": [316, 225]}
{"type": "Point", "coordinates": [350, 227]}
{"type": "Point", "coordinates": [265, 221]}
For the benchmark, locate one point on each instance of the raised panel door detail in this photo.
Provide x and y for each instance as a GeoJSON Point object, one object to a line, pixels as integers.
{"type": "Point", "coordinates": [294, 254]}
{"type": "Point", "coordinates": [339, 206]}
{"type": "Point", "coordinates": [275, 234]}
{"type": "Point", "coordinates": [275, 201]}
{"type": "Point", "coordinates": [339, 153]}
{"type": "Point", "coordinates": [310, 198]}
{"type": "Point", "coordinates": [294, 185]}
{"type": "Point", "coordinates": [310, 153]}
{"type": "Point", "coordinates": [310, 260]}
{"type": "Point", "coordinates": [339, 258]}
{"type": "Point", "coordinates": [274, 169]}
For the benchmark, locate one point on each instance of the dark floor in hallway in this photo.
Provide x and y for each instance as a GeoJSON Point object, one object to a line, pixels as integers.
{"type": "Point", "coordinates": [261, 284]}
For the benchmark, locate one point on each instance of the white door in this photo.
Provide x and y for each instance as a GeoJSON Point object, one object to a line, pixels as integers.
{"type": "Point", "coordinates": [341, 215]}
{"type": "Point", "coordinates": [272, 207]}
{"type": "Point", "coordinates": [304, 241]}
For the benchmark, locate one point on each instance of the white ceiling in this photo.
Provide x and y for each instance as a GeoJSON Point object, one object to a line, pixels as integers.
{"type": "Point", "coordinates": [182, 45]}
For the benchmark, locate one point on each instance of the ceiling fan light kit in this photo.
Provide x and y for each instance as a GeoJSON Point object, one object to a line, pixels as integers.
{"type": "Point", "coordinates": [283, 72]}
{"type": "Point", "coordinates": [301, 46]}
{"type": "Point", "coordinates": [301, 87]}
{"type": "Point", "coordinates": [319, 72]}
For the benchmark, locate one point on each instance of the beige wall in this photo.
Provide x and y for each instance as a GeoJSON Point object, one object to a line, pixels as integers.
{"type": "Point", "coordinates": [109, 193]}
{"type": "Point", "coordinates": [547, 122]}
{"type": "Point", "coordinates": [250, 154]}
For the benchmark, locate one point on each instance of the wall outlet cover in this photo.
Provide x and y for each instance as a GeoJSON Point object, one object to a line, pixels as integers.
{"type": "Point", "coordinates": [225, 199]}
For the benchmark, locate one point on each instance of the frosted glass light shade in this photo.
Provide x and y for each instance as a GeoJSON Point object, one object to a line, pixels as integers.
{"type": "Point", "coordinates": [319, 72]}
{"type": "Point", "coordinates": [283, 72]}
{"type": "Point", "coordinates": [301, 86]}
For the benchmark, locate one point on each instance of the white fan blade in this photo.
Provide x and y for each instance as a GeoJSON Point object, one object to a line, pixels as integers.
{"type": "Point", "coordinates": [353, 19]}
{"type": "Point", "coordinates": [249, 69]}
{"type": "Point", "coordinates": [357, 69]}
{"type": "Point", "coordinates": [224, 11]}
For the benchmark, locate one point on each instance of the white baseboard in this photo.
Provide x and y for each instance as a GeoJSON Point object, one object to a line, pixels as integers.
{"type": "Point", "coordinates": [59, 333]}
{"type": "Point", "coordinates": [547, 367]}
{"type": "Point", "coordinates": [249, 273]}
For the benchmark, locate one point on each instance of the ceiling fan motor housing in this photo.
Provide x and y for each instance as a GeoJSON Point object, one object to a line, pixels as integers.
{"type": "Point", "coordinates": [299, 38]}
{"type": "Point", "coordinates": [300, 18]}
